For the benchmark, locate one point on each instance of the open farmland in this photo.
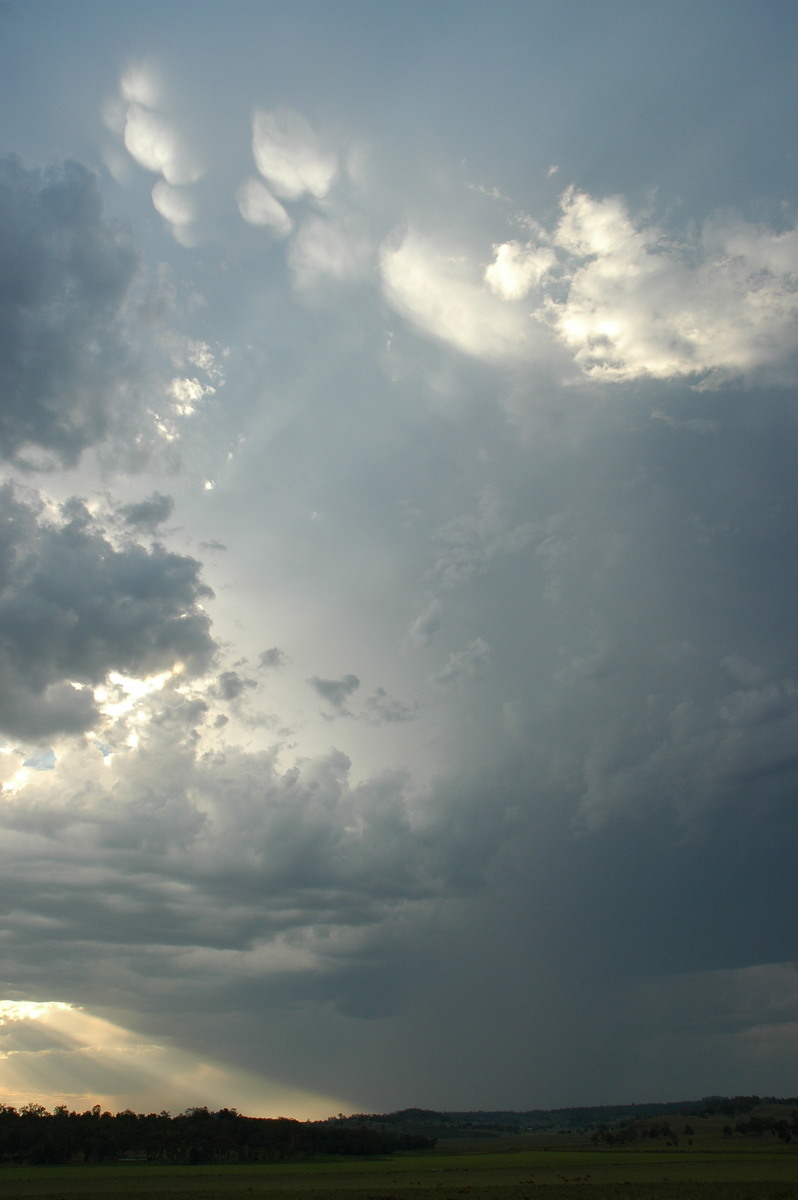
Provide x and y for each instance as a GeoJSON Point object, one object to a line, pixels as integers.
{"type": "Point", "coordinates": [761, 1174]}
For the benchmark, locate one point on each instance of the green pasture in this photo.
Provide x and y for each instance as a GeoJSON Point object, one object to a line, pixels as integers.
{"type": "Point", "coordinates": [766, 1174]}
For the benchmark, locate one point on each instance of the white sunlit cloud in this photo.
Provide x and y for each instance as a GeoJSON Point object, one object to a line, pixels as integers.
{"type": "Point", "coordinates": [642, 302]}
{"type": "Point", "coordinates": [517, 268]}
{"type": "Point", "coordinates": [130, 691]}
{"type": "Point", "coordinates": [155, 141]}
{"type": "Point", "coordinates": [184, 395]}
{"type": "Point", "coordinates": [140, 85]}
{"type": "Point", "coordinates": [152, 139]}
{"type": "Point", "coordinates": [187, 393]}
{"type": "Point", "coordinates": [259, 207]}
{"type": "Point", "coordinates": [177, 207]}
{"type": "Point", "coordinates": [289, 155]}
{"type": "Point", "coordinates": [626, 298]}
{"type": "Point", "coordinates": [325, 248]}
{"type": "Point", "coordinates": [438, 294]}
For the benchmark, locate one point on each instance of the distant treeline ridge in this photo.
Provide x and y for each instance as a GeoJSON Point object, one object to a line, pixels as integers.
{"type": "Point", "coordinates": [459, 1124]}
{"type": "Point", "coordinates": [33, 1135]}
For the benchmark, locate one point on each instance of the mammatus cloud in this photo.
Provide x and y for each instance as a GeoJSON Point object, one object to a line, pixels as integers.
{"type": "Point", "coordinates": [155, 141]}
{"type": "Point", "coordinates": [74, 606]}
{"type": "Point", "coordinates": [290, 156]}
{"type": "Point", "coordinates": [177, 207]}
{"type": "Point", "coordinates": [291, 159]}
{"type": "Point", "coordinates": [585, 842]}
{"type": "Point", "coordinates": [328, 248]}
{"type": "Point", "coordinates": [152, 141]}
{"type": "Point", "coordinates": [150, 136]}
{"type": "Point", "coordinates": [259, 207]}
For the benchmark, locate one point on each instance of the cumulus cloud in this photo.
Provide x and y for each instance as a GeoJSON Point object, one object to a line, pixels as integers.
{"type": "Point", "coordinates": [74, 607]}
{"type": "Point", "coordinates": [517, 268]}
{"type": "Point", "coordinates": [438, 293]}
{"type": "Point", "coordinates": [627, 297]}
{"type": "Point", "coordinates": [290, 156]}
{"type": "Point", "coordinates": [150, 513]}
{"type": "Point", "coordinates": [382, 707]}
{"type": "Point", "coordinates": [213, 859]}
{"type": "Point", "coordinates": [269, 660]}
{"type": "Point", "coordinates": [641, 301]}
{"type": "Point", "coordinates": [67, 274]}
{"type": "Point", "coordinates": [336, 691]}
{"type": "Point", "coordinates": [231, 685]}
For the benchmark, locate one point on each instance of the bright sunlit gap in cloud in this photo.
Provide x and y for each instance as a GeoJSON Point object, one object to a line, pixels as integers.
{"type": "Point", "coordinates": [133, 690]}
{"type": "Point", "coordinates": [53, 1053]}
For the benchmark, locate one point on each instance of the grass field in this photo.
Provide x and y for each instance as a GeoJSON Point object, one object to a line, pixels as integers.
{"type": "Point", "coordinates": [766, 1174]}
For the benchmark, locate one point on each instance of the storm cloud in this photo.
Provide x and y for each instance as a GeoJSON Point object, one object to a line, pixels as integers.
{"type": "Point", "coordinates": [66, 274]}
{"type": "Point", "coordinates": [398, 657]}
{"type": "Point", "coordinates": [73, 607]}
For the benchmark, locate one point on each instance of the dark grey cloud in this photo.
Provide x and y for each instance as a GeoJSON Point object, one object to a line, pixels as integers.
{"type": "Point", "coordinates": [269, 660]}
{"type": "Point", "coordinates": [584, 593]}
{"type": "Point", "coordinates": [73, 606]}
{"type": "Point", "coordinates": [381, 707]}
{"type": "Point", "coordinates": [230, 685]}
{"type": "Point", "coordinates": [211, 859]}
{"type": "Point", "coordinates": [150, 513]}
{"type": "Point", "coordinates": [621, 821]}
{"type": "Point", "coordinates": [66, 274]}
{"type": "Point", "coordinates": [336, 691]}
{"type": "Point", "coordinates": [464, 665]}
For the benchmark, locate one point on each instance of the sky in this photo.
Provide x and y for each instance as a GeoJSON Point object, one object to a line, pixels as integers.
{"type": "Point", "coordinates": [398, 575]}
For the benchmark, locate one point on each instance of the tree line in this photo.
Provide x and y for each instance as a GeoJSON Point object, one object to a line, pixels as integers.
{"type": "Point", "coordinates": [32, 1135]}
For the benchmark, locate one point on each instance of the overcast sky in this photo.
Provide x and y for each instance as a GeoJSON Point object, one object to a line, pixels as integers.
{"type": "Point", "coordinates": [398, 558]}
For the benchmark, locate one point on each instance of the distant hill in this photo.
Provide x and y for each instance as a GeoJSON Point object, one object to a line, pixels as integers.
{"type": "Point", "coordinates": [487, 1122]}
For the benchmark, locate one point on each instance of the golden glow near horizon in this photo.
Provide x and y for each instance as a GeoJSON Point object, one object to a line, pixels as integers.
{"type": "Point", "coordinates": [27, 1010]}
{"type": "Point", "coordinates": [53, 1053]}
